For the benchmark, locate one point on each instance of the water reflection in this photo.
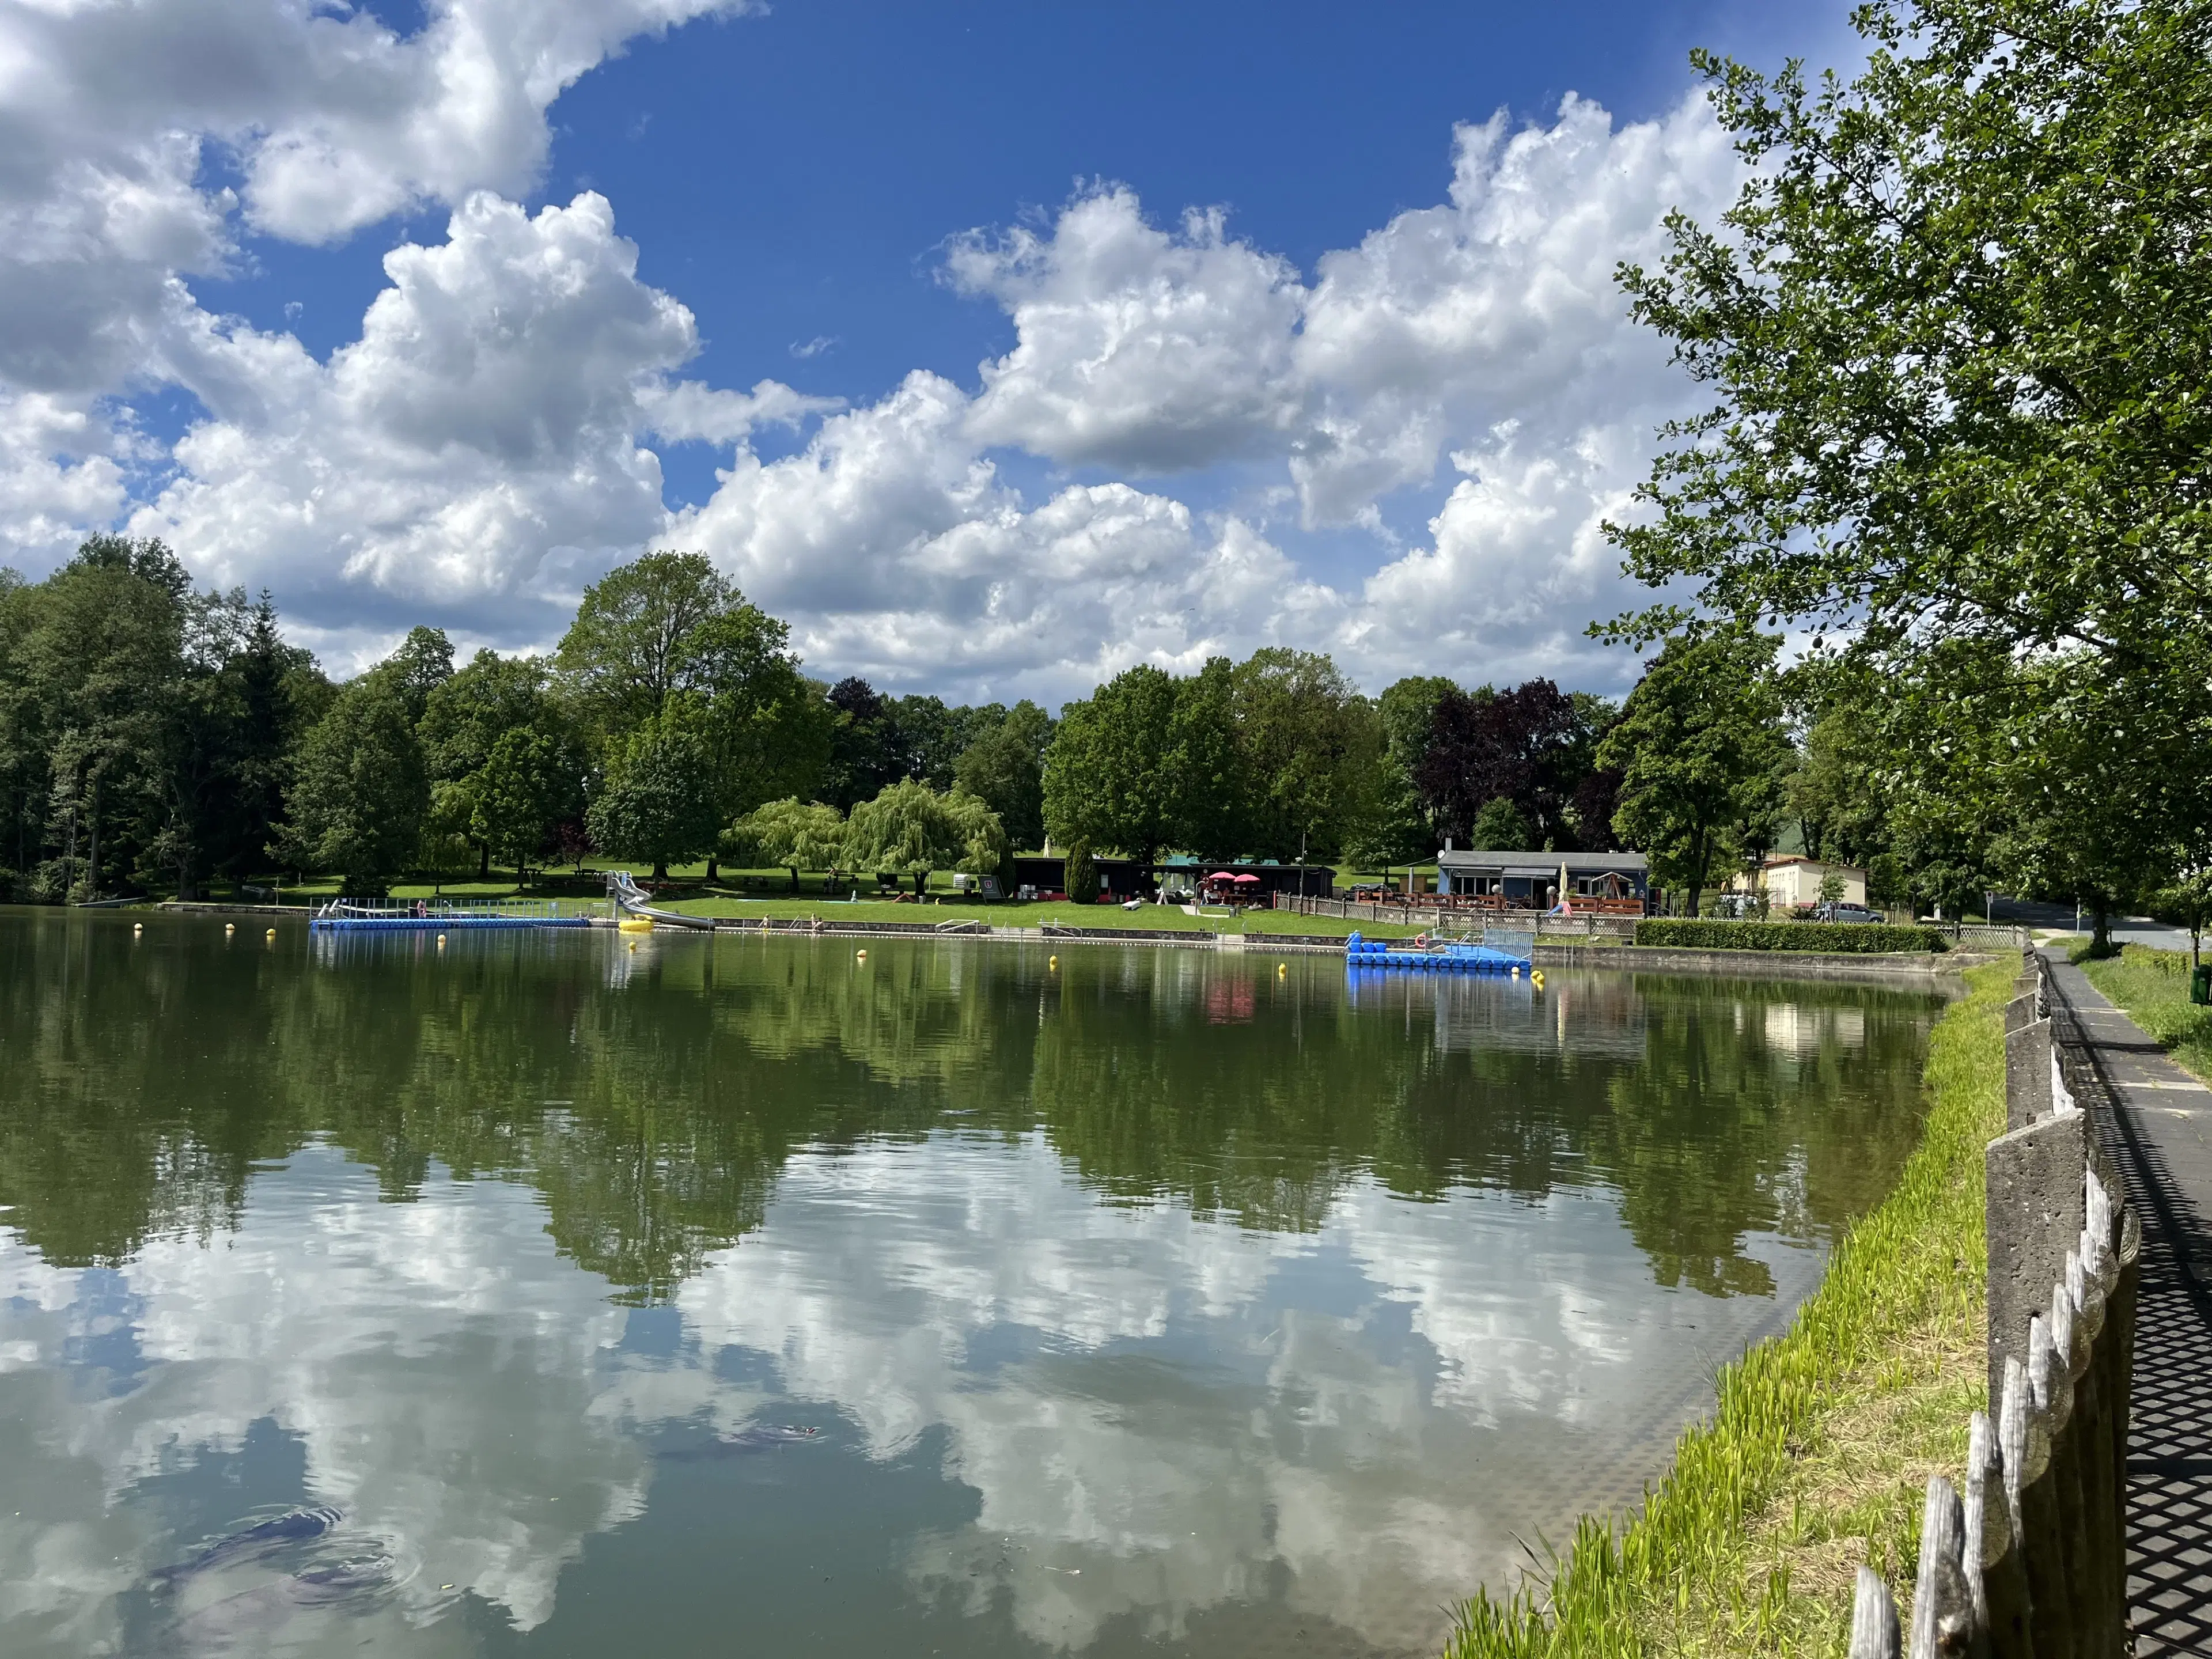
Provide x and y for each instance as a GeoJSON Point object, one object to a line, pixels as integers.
{"type": "Point", "coordinates": [1155, 1299]}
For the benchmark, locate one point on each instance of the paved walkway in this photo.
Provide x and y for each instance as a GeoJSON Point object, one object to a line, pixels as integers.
{"type": "Point", "coordinates": [2160, 1128]}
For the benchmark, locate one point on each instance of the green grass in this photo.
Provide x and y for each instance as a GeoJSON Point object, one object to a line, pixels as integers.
{"type": "Point", "coordinates": [1822, 1438]}
{"type": "Point", "coordinates": [771, 896]}
{"type": "Point", "coordinates": [2153, 987]}
{"type": "Point", "coordinates": [1013, 912]}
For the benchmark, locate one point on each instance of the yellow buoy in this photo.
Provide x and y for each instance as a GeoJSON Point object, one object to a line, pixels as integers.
{"type": "Point", "coordinates": [1052, 961]}
{"type": "Point", "coordinates": [441, 941]}
{"type": "Point", "coordinates": [859, 956]}
{"type": "Point", "coordinates": [1281, 968]}
{"type": "Point", "coordinates": [272, 935]}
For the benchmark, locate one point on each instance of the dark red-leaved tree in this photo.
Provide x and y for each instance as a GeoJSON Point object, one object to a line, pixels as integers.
{"type": "Point", "coordinates": [1523, 746]}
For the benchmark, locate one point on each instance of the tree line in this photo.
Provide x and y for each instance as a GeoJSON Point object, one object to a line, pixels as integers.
{"type": "Point", "coordinates": [155, 737]}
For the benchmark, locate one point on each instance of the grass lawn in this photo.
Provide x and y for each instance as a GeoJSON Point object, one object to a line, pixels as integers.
{"type": "Point", "coordinates": [1822, 1443]}
{"type": "Point", "coordinates": [2153, 987]}
{"type": "Point", "coordinates": [1013, 912]}
{"type": "Point", "coordinates": [751, 894]}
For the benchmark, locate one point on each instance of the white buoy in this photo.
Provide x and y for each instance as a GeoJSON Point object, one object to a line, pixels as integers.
{"type": "Point", "coordinates": [441, 941]}
{"type": "Point", "coordinates": [229, 928]}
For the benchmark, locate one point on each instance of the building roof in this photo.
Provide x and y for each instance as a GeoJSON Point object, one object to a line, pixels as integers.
{"type": "Point", "coordinates": [1500, 862]}
{"type": "Point", "coordinates": [1777, 860]}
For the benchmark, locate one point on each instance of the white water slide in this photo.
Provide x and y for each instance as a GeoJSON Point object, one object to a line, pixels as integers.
{"type": "Point", "coordinates": [630, 898]}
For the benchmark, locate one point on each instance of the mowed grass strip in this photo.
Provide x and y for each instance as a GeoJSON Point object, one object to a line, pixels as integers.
{"type": "Point", "coordinates": [1819, 1450]}
{"type": "Point", "coordinates": [2152, 986]}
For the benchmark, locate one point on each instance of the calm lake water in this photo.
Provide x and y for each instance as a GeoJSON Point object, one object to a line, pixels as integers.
{"type": "Point", "coordinates": [743, 1296]}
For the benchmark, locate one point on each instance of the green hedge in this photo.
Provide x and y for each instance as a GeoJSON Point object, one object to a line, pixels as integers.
{"type": "Point", "coordinates": [1844, 937]}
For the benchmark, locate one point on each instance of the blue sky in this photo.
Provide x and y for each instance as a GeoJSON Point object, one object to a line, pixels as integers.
{"type": "Point", "coordinates": [891, 308]}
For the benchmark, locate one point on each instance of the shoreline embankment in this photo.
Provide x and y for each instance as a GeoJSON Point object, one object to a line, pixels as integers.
{"type": "Point", "coordinates": [1938, 971]}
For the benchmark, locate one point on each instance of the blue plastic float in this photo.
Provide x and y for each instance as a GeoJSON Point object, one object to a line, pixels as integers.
{"type": "Point", "coordinates": [1443, 957]}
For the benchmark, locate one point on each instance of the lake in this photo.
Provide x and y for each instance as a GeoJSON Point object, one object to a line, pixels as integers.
{"type": "Point", "coordinates": [748, 1295]}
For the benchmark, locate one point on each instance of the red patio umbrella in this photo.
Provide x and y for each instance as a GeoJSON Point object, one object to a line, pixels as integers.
{"type": "Point", "coordinates": [1244, 877]}
{"type": "Point", "coordinates": [1221, 875]}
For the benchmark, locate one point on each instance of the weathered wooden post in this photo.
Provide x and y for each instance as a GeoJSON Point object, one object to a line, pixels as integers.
{"type": "Point", "coordinates": [1874, 1619]}
{"type": "Point", "coordinates": [2024, 1439]}
{"type": "Point", "coordinates": [1943, 1605]}
{"type": "Point", "coordinates": [1996, 1574]}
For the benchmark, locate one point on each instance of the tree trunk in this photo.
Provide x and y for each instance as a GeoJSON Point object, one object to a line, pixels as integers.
{"type": "Point", "coordinates": [921, 881]}
{"type": "Point", "coordinates": [2101, 941]}
{"type": "Point", "coordinates": [91, 859]}
{"type": "Point", "coordinates": [660, 870]}
{"type": "Point", "coordinates": [484, 860]}
{"type": "Point", "coordinates": [712, 872]}
{"type": "Point", "coordinates": [794, 877]}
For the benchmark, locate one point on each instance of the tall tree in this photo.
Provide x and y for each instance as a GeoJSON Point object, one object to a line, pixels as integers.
{"type": "Point", "coordinates": [464, 720]}
{"type": "Point", "coordinates": [766, 724]}
{"type": "Point", "coordinates": [1003, 767]}
{"type": "Point", "coordinates": [1310, 746]}
{"type": "Point", "coordinates": [361, 787]}
{"type": "Point", "coordinates": [104, 664]}
{"type": "Point", "coordinates": [1529, 746]}
{"type": "Point", "coordinates": [1401, 827]}
{"type": "Point", "coordinates": [1701, 753]}
{"type": "Point", "coordinates": [1204, 770]}
{"type": "Point", "coordinates": [658, 803]}
{"type": "Point", "coordinates": [865, 756]}
{"type": "Point", "coordinates": [1106, 777]}
{"type": "Point", "coordinates": [627, 651]}
{"type": "Point", "coordinates": [423, 662]}
{"type": "Point", "coordinates": [1957, 324]}
{"type": "Point", "coordinates": [522, 790]}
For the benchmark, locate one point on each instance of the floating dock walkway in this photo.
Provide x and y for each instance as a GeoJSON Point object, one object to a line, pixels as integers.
{"type": "Point", "coordinates": [1501, 952]}
{"type": "Point", "coordinates": [445, 915]}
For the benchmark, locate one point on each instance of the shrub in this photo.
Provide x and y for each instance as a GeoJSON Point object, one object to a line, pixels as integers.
{"type": "Point", "coordinates": [1837, 938]}
{"type": "Point", "coordinates": [1082, 877]}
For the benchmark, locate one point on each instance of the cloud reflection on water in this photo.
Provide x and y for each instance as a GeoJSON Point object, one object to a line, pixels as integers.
{"type": "Point", "coordinates": [1153, 1409]}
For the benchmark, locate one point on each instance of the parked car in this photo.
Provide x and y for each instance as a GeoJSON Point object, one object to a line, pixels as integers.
{"type": "Point", "coordinates": [1842, 912]}
{"type": "Point", "coordinates": [1369, 893]}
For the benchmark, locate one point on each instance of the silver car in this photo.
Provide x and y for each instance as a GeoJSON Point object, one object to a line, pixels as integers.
{"type": "Point", "coordinates": [1842, 912]}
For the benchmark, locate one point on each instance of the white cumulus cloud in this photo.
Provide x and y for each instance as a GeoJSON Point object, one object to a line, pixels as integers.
{"type": "Point", "coordinates": [1192, 447]}
{"type": "Point", "coordinates": [480, 440]}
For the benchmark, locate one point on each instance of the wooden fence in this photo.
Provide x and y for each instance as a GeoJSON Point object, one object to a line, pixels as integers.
{"type": "Point", "coordinates": [1439, 911]}
{"type": "Point", "coordinates": [2026, 1554]}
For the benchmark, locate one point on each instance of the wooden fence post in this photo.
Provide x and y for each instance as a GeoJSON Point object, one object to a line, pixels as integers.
{"type": "Point", "coordinates": [1942, 1604]}
{"type": "Point", "coordinates": [1995, 1572]}
{"type": "Point", "coordinates": [1874, 1619]}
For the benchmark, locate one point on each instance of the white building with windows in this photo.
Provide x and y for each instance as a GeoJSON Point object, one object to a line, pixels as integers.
{"type": "Point", "coordinates": [1792, 881]}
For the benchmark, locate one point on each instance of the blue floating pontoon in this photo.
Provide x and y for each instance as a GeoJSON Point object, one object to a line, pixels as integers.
{"type": "Point", "coordinates": [354, 916]}
{"type": "Point", "coordinates": [1443, 957]}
